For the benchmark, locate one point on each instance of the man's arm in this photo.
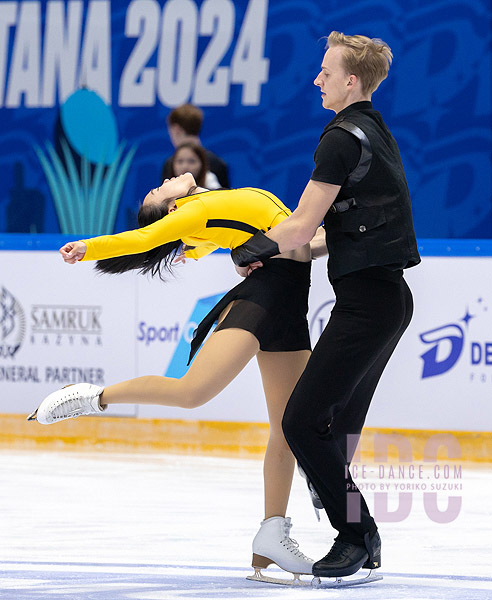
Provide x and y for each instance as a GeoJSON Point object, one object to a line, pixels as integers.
{"type": "Point", "coordinates": [295, 231]}
{"type": "Point", "coordinates": [301, 226]}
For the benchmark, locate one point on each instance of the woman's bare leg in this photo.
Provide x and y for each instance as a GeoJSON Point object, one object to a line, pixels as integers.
{"type": "Point", "coordinates": [222, 357]}
{"type": "Point", "coordinates": [280, 372]}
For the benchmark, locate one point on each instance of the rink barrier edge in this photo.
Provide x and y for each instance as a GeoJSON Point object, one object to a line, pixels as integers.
{"type": "Point", "coordinates": [228, 439]}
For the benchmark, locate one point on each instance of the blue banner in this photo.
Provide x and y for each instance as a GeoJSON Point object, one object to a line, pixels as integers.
{"type": "Point", "coordinates": [86, 86]}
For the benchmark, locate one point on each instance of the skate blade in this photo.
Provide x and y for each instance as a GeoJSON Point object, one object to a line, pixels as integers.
{"type": "Point", "coordinates": [296, 582]}
{"type": "Point", "coordinates": [336, 582]}
{"type": "Point", "coordinates": [315, 499]}
{"type": "Point", "coordinates": [33, 416]}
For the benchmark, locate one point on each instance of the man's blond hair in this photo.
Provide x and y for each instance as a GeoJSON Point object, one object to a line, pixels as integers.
{"type": "Point", "coordinates": [368, 59]}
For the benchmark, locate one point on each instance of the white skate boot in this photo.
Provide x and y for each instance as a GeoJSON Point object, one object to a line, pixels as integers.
{"type": "Point", "coordinates": [69, 402]}
{"type": "Point", "coordinates": [272, 545]}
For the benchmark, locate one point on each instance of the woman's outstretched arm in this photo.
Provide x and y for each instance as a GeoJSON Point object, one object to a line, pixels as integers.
{"type": "Point", "coordinates": [187, 220]}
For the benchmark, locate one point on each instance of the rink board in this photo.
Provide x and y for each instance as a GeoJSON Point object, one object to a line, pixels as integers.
{"type": "Point", "coordinates": [227, 439]}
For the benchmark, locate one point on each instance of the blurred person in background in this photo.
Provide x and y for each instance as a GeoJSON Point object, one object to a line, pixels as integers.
{"type": "Point", "coordinates": [184, 123]}
{"type": "Point", "coordinates": [190, 157]}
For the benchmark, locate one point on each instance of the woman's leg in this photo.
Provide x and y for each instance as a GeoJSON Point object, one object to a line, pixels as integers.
{"type": "Point", "coordinates": [280, 372]}
{"type": "Point", "coordinates": [222, 357]}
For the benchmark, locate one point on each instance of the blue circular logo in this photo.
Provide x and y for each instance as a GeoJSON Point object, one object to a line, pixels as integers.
{"type": "Point", "coordinates": [90, 127]}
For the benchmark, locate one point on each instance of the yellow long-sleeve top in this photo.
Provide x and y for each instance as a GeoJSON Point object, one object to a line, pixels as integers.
{"type": "Point", "coordinates": [205, 221]}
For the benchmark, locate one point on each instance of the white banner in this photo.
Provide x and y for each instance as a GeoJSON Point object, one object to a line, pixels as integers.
{"type": "Point", "coordinates": [62, 324]}
{"type": "Point", "coordinates": [440, 376]}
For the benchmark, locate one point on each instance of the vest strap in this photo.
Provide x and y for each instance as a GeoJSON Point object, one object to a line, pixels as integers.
{"type": "Point", "coordinates": [365, 159]}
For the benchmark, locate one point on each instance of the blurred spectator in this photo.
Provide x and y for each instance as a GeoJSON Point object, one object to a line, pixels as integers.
{"type": "Point", "coordinates": [190, 157]}
{"type": "Point", "coordinates": [184, 123]}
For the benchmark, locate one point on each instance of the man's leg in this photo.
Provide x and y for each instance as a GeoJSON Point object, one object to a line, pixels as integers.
{"type": "Point", "coordinates": [366, 318]}
{"type": "Point", "coordinates": [350, 420]}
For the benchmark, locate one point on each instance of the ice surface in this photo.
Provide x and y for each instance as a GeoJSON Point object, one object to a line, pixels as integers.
{"type": "Point", "coordinates": [158, 527]}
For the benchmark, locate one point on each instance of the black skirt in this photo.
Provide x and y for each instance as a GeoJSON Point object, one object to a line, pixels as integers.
{"type": "Point", "coordinates": [271, 303]}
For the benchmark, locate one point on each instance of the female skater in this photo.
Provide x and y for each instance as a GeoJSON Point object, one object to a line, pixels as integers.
{"type": "Point", "coordinates": [263, 316]}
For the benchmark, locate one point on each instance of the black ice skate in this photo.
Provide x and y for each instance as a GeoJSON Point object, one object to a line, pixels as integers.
{"type": "Point", "coordinates": [315, 499]}
{"type": "Point", "coordinates": [345, 559]}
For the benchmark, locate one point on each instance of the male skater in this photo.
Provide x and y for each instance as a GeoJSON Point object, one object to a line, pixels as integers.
{"type": "Point", "coordinates": [359, 189]}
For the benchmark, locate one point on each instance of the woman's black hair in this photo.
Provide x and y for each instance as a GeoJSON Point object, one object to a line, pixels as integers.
{"type": "Point", "coordinates": [153, 261]}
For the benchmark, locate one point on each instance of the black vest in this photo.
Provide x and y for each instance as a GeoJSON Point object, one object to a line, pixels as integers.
{"type": "Point", "coordinates": [370, 223]}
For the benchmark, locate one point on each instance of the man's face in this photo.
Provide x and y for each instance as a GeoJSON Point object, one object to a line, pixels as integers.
{"type": "Point", "coordinates": [334, 81]}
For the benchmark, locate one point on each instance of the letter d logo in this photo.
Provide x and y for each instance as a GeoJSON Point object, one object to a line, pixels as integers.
{"type": "Point", "coordinates": [448, 345]}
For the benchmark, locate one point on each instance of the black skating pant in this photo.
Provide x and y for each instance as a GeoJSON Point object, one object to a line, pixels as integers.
{"type": "Point", "coordinates": [332, 396]}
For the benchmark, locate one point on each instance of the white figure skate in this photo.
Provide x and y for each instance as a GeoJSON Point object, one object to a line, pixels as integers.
{"type": "Point", "coordinates": [68, 403]}
{"type": "Point", "coordinates": [272, 545]}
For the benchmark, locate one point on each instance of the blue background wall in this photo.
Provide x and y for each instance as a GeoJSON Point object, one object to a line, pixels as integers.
{"type": "Point", "coordinates": [436, 100]}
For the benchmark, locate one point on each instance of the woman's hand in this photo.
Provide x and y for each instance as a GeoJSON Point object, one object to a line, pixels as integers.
{"type": "Point", "coordinates": [246, 271]}
{"type": "Point", "coordinates": [73, 252]}
{"type": "Point", "coordinates": [180, 258]}
{"type": "Point", "coordinates": [318, 244]}
{"type": "Point", "coordinates": [243, 271]}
